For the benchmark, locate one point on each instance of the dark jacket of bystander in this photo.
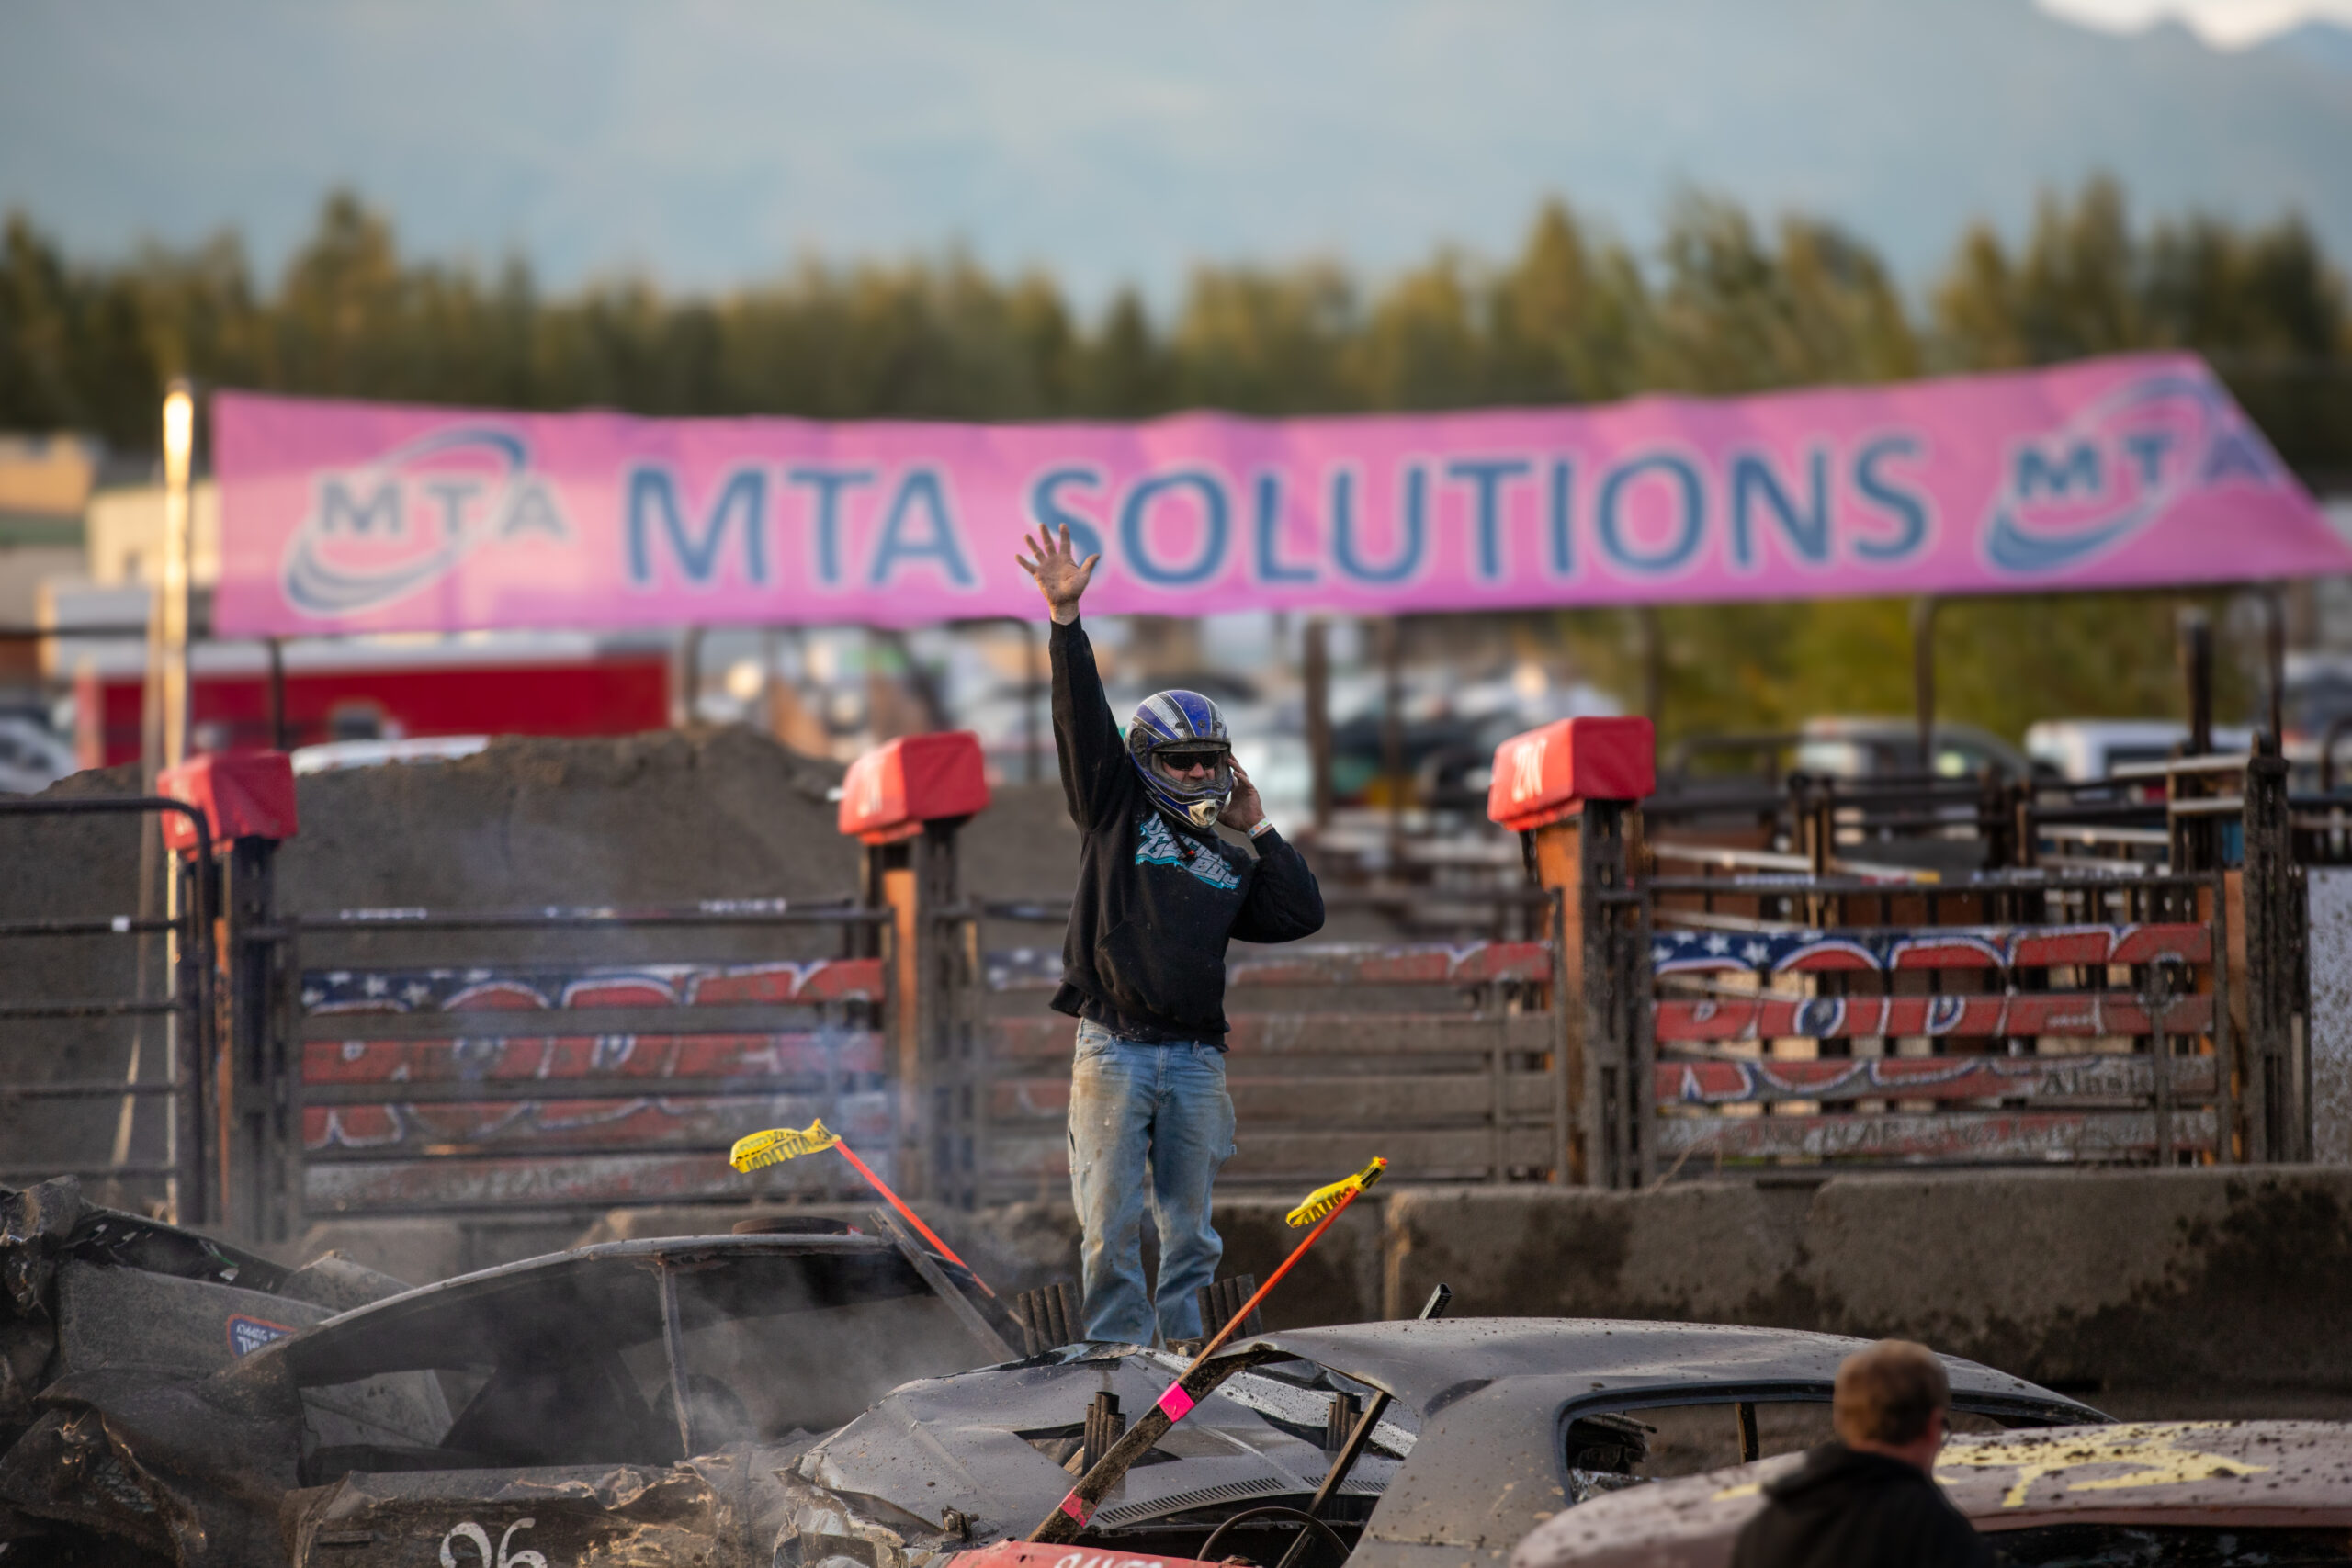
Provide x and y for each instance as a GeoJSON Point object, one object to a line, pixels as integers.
{"type": "Point", "coordinates": [1847, 1508]}
{"type": "Point", "coordinates": [1157, 898]}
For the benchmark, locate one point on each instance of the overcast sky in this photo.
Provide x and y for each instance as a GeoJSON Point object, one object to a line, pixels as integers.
{"type": "Point", "coordinates": [707, 143]}
{"type": "Point", "coordinates": [2232, 24]}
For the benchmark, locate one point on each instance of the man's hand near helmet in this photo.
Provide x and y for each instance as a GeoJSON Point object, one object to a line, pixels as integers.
{"type": "Point", "coordinates": [1242, 810]}
{"type": "Point", "coordinates": [1159, 895]}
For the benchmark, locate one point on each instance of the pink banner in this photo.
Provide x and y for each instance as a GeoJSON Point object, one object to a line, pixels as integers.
{"type": "Point", "coordinates": [2114, 473]}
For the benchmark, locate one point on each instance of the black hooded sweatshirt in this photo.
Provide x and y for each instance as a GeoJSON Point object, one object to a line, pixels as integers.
{"type": "Point", "coordinates": [1157, 897]}
{"type": "Point", "coordinates": [1844, 1509]}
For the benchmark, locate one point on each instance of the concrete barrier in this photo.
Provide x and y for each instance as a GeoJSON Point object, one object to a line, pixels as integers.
{"type": "Point", "coordinates": [2192, 1285]}
{"type": "Point", "coordinates": [1018, 1247]}
{"type": "Point", "coordinates": [2085, 1280]}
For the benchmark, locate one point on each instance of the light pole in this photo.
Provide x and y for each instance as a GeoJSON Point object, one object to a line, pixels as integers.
{"type": "Point", "coordinates": [179, 447]}
{"type": "Point", "coordinates": [162, 744]}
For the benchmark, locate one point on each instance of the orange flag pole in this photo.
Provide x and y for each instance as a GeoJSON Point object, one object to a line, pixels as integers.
{"type": "Point", "coordinates": [777, 1144]}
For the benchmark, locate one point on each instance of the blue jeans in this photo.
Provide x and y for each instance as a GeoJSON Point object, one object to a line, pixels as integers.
{"type": "Point", "coordinates": [1138, 1112]}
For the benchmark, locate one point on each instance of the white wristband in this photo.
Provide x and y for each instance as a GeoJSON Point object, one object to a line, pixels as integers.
{"type": "Point", "coordinates": [1264, 825]}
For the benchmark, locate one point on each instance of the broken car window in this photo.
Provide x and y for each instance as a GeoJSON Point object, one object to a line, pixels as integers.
{"type": "Point", "coordinates": [571, 1365]}
{"type": "Point", "coordinates": [1686, 1440]}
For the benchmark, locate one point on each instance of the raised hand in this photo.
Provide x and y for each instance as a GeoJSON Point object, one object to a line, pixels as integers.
{"type": "Point", "coordinates": [1060, 576]}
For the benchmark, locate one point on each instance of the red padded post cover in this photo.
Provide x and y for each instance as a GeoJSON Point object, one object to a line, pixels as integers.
{"type": "Point", "coordinates": [1544, 774]}
{"type": "Point", "coordinates": [894, 789]}
{"type": "Point", "coordinates": [243, 794]}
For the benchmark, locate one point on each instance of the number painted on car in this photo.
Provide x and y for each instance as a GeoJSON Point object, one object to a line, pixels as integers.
{"type": "Point", "coordinates": [469, 1531]}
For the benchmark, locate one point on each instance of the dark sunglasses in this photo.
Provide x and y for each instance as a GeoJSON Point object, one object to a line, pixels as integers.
{"type": "Point", "coordinates": [1202, 757]}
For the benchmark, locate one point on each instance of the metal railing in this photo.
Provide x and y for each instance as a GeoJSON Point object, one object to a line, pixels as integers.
{"type": "Point", "coordinates": [2009, 1019]}
{"type": "Point", "coordinates": [1448, 1058]}
{"type": "Point", "coordinates": [187, 1008]}
{"type": "Point", "coordinates": [2104, 971]}
{"type": "Point", "coordinates": [450, 1080]}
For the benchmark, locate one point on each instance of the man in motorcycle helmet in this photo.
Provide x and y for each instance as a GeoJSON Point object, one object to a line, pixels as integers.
{"type": "Point", "coordinates": [1159, 896]}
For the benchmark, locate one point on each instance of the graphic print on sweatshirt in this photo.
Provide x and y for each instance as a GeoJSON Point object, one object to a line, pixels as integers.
{"type": "Point", "coordinates": [1158, 846]}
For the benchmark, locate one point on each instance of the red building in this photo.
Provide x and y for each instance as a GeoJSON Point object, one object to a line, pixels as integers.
{"type": "Point", "coordinates": [380, 688]}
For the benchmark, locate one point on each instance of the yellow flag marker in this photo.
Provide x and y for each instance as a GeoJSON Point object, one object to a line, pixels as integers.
{"type": "Point", "coordinates": [1322, 1206]}
{"type": "Point", "coordinates": [757, 1151]}
{"type": "Point", "coordinates": [1323, 1200]}
{"type": "Point", "coordinates": [1070, 1516]}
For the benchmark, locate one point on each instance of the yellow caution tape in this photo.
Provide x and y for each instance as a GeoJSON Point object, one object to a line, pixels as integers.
{"type": "Point", "coordinates": [1323, 1200]}
{"type": "Point", "coordinates": [758, 1150]}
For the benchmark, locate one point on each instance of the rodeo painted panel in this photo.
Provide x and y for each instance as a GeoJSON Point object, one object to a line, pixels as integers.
{"type": "Point", "coordinates": [2121, 472]}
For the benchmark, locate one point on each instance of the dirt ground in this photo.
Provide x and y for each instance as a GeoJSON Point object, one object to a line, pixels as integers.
{"type": "Point", "coordinates": [666, 818]}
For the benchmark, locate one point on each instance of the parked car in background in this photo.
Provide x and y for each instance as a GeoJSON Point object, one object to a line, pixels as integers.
{"type": "Point", "coordinates": [2149, 1494]}
{"type": "Point", "coordinates": [2318, 694]}
{"type": "Point", "coordinates": [1841, 747]}
{"type": "Point", "coordinates": [2087, 749]}
{"type": "Point", "coordinates": [32, 757]}
{"type": "Point", "coordinates": [334, 756]}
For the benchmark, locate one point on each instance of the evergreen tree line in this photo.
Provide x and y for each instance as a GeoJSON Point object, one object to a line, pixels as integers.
{"type": "Point", "coordinates": [1723, 304]}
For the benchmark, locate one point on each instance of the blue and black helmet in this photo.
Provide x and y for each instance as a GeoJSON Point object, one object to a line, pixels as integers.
{"type": "Point", "coordinates": [1175, 731]}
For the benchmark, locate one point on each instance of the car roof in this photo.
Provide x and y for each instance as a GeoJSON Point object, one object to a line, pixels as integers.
{"type": "Point", "coordinates": [1883, 726]}
{"type": "Point", "coordinates": [589, 1285]}
{"type": "Point", "coordinates": [1421, 1362]}
{"type": "Point", "coordinates": [1491, 1394]}
{"type": "Point", "coordinates": [2202, 1472]}
{"type": "Point", "coordinates": [2111, 730]}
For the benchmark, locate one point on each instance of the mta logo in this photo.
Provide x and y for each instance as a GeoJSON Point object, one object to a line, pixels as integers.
{"type": "Point", "coordinates": [2115, 467]}
{"type": "Point", "coordinates": [379, 533]}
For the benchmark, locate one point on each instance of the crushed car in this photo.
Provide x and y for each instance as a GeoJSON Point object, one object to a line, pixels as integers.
{"type": "Point", "coordinates": [844, 1400]}
{"type": "Point", "coordinates": [2138, 1494]}
{"type": "Point", "coordinates": [89, 1292]}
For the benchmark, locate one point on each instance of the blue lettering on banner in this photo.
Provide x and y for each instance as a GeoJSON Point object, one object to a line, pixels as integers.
{"type": "Point", "coordinates": [828, 484]}
{"type": "Point", "coordinates": [339, 514]}
{"type": "Point", "coordinates": [1044, 506]}
{"type": "Point", "coordinates": [1270, 521]}
{"type": "Point", "coordinates": [2147, 448]}
{"type": "Point", "coordinates": [317, 580]}
{"type": "Point", "coordinates": [1806, 528]}
{"type": "Point", "coordinates": [1487, 477]}
{"type": "Point", "coordinates": [1909, 508]}
{"type": "Point", "coordinates": [653, 491]}
{"type": "Point", "coordinates": [1688, 530]}
{"type": "Point", "coordinates": [920, 487]}
{"type": "Point", "coordinates": [2077, 493]}
{"type": "Point", "coordinates": [452, 494]}
{"type": "Point", "coordinates": [2235, 453]}
{"type": "Point", "coordinates": [531, 507]}
{"type": "Point", "coordinates": [1415, 528]}
{"type": "Point", "coordinates": [2036, 472]}
{"type": "Point", "coordinates": [1134, 537]}
{"type": "Point", "coordinates": [1564, 549]}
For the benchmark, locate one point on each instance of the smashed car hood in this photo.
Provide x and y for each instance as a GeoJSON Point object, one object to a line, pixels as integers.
{"type": "Point", "coordinates": [982, 1443]}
